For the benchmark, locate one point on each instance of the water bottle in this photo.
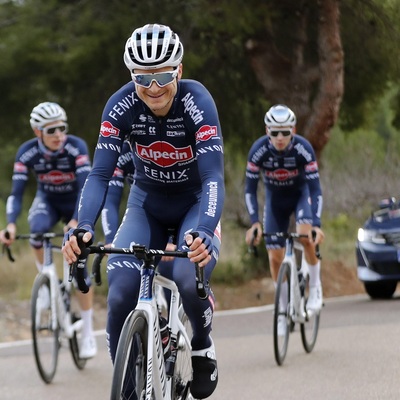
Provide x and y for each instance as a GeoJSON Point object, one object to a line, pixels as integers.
{"type": "Point", "coordinates": [170, 362]}
{"type": "Point", "coordinates": [165, 337]}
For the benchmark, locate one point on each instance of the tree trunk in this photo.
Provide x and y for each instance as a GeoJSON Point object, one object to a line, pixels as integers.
{"type": "Point", "coordinates": [312, 86]}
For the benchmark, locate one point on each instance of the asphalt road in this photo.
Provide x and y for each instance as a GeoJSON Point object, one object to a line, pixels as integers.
{"type": "Point", "coordinates": [357, 356]}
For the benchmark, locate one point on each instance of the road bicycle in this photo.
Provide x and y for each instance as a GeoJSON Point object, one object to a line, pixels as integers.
{"type": "Point", "coordinates": [140, 371]}
{"type": "Point", "coordinates": [294, 270]}
{"type": "Point", "coordinates": [52, 319]}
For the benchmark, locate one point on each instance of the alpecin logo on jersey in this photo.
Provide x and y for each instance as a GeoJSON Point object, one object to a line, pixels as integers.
{"type": "Point", "coordinates": [281, 174]}
{"type": "Point", "coordinates": [206, 132]}
{"type": "Point", "coordinates": [56, 177]}
{"type": "Point", "coordinates": [108, 129]}
{"type": "Point", "coordinates": [164, 154]}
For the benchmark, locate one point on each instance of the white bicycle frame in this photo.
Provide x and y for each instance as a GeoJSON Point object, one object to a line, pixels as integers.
{"type": "Point", "coordinates": [158, 385]}
{"type": "Point", "coordinates": [297, 309]}
{"type": "Point", "coordinates": [59, 313]}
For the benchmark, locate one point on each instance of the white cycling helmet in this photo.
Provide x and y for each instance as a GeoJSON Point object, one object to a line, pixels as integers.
{"type": "Point", "coordinates": [280, 116]}
{"type": "Point", "coordinates": [153, 46]}
{"type": "Point", "coordinates": [45, 113]}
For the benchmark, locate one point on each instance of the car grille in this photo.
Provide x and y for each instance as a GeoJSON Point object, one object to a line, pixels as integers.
{"type": "Point", "coordinates": [386, 268]}
{"type": "Point", "coordinates": [392, 238]}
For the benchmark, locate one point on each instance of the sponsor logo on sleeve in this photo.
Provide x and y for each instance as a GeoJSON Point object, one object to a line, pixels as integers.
{"type": "Point", "coordinates": [108, 129]}
{"type": "Point", "coordinates": [206, 132]}
{"type": "Point", "coordinates": [312, 167]}
{"type": "Point", "coordinates": [19, 167]}
{"type": "Point", "coordinates": [82, 160]}
{"type": "Point", "coordinates": [252, 167]}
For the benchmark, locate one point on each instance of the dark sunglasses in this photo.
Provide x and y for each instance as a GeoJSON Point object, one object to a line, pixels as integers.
{"type": "Point", "coordinates": [161, 78]}
{"type": "Point", "coordinates": [284, 133]}
{"type": "Point", "coordinates": [51, 130]}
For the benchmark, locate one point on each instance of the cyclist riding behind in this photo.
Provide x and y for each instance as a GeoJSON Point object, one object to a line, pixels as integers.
{"type": "Point", "coordinates": [61, 164]}
{"type": "Point", "coordinates": [173, 127]}
{"type": "Point", "coordinates": [291, 180]}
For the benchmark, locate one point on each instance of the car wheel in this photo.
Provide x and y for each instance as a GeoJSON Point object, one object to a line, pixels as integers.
{"type": "Point", "coordinates": [380, 290]}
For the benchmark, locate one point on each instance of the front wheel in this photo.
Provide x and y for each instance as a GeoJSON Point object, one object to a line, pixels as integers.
{"type": "Point", "coordinates": [309, 329]}
{"type": "Point", "coordinates": [45, 329]}
{"type": "Point", "coordinates": [74, 346]}
{"type": "Point", "coordinates": [130, 366]}
{"type": "Point", "coordinates": [183, 365]}
{"type": "Point", "coordinates": [282, 321]}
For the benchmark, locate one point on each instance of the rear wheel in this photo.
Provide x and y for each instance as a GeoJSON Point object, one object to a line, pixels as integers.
{"type": "Point", "coordinates": [45, 329]}
{"type": "Point", "coordinates": [309, 329]}
{"type": "Point", "coordinates": [282, 321]}
{"type": "Point", "coordinates": [130, 366]}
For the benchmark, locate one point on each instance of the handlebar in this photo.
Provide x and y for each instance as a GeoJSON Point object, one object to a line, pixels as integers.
{"type": "Point", "coordinates": [141, 252]}
{"type": "Point", "coordinates": [35, 236]}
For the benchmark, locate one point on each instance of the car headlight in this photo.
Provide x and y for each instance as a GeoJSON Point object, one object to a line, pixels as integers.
{"type": "Point", "coordinates": [366, 235]}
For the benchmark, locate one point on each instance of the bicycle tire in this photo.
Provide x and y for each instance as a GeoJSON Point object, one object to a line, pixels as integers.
{"type": "Point", "coordinates": [46, 341]}
{"type": "Point", "coordinates": [80, 363]}
{"type": "Point", "coordinates": [281, 341]}
{"type": "Point", "coordinates": [309, 329]}
{"type": "Point", "coordinates": [130, 366]}
{"type": "Point", "coordinates": [183, 364]}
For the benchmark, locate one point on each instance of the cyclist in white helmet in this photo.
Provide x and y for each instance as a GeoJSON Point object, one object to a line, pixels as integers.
{"type": "Point", "coordinates": [60, 164]}
{"type": "Point", "coordinates": [173, 127]}
{"type": "Point", "coordinates": [289, 169]}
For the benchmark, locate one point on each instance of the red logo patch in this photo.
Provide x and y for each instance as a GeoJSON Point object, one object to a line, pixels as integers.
{"type": "Point", "coordinates": [57, 177]}
{"type": "Point", "coordinates": [108, 129]}
{"type": "Point", "coordinates": [20, 167]}
{"type": "Point", "coordinates": [252, 167]}
{"type": "Point", "coordinates": [164, 154]}
{"type": "Point", "coordinates": [118, 172]}
{"type": "Point", "coordinates": [281, 174]}
{"type": "Point", "coordinates": [206, 132]}
{"type": "Point", "coordinates": [82, 160]}
{"type": "Point", "coordinates": [312, 167]}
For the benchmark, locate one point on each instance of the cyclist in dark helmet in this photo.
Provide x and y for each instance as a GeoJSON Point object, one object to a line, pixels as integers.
{"type": "Point", "coordinates": [291, 179]}
{"type": "Point", "coordinates": [173, 127]}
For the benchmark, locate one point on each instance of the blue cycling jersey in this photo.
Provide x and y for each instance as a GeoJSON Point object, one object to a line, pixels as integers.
{"type": "Point", "coordinates": [59, 178]}
{"type": "Point", "coordinates": [181, 153]}
{"type": "Point", "coordinates": [287, 175]}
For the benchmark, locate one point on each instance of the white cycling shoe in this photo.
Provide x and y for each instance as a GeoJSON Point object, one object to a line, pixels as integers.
{"type": "Point", "coordinates": [88, 347]}
{"type": "Point", "coordinates": [315, 298]}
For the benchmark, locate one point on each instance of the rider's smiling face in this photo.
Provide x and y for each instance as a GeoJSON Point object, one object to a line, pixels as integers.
{"type": "Point", "coordinates": [158, 99]}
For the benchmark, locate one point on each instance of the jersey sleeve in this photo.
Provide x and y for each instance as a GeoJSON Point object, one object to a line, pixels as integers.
{"type": "Point", "coordinates": [108, 149]}
{"type": "Point", "coordinates": [312, 177]}
{"type": "Point", "coordinates": [82, 169]}
{"type": "Point", "coordinates": [210, 161]}
{"type": "Point", "coordinates": [251, 182]}
{"type": "Point", "coordinates": [19, 181]}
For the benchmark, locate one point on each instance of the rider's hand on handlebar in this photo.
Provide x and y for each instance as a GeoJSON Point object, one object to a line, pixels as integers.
{"type": "Point", "coordinates": [319, 235]}
{"type": "Point", "coordinates": [252, 240]}
{"type": "Point", "coordinates": [200, 244]}
{"type": "Point", "coordinates": [7, 236]}
{"type": "Point", "coordinates": [70, 248]}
